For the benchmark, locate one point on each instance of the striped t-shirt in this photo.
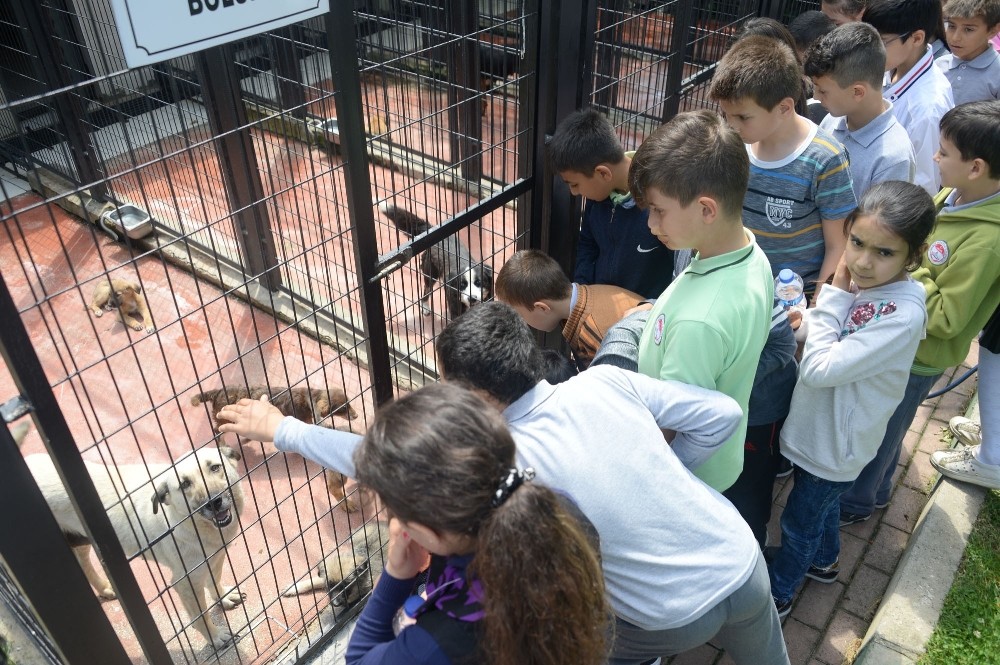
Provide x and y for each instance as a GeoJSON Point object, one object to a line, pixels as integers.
{"type": "Point", "coordinates": [787, 200]}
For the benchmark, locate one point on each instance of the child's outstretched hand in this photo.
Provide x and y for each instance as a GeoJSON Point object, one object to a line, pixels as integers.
{"type": "Point", "coordinates": [257, 420]}
{"type": "Point", "coordinates": [406, 558]}
{"type": "Point", "coordinates": [842, 276]}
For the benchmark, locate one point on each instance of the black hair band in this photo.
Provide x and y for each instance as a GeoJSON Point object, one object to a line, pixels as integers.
{"type": "Point", "coordinates": [510, 482]}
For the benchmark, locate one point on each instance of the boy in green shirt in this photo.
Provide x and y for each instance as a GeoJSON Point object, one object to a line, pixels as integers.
{"type": "Point", "coordinates": [709, 326]}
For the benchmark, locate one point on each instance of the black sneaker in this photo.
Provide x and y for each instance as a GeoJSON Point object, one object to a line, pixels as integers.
{"type": "Point", "coordinates": [783, 608]}
{"type": "Point", "coordinates": [847, 519]}
{"type": "Point", "coordinates": [826, 575]}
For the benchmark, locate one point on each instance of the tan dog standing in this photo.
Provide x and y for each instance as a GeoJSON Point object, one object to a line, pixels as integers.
{"type": "Point", "coordinates": [126, 297]}
{"type": "Point", "coordinates": [187, 510]}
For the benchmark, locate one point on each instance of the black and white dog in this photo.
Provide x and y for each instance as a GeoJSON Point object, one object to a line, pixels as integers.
{"type": "Point", "coordinates": [467, 282]}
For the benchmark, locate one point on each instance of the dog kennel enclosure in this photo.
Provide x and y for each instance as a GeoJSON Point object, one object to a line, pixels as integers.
{"type": "Point", "coordinates": [242, 189]}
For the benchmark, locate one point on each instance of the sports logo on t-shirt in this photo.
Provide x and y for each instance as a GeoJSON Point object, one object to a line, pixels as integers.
{"type": "Point", "coordinates": [938, 252]}
{"type": "Point", "coordinates": [658, 329]}
{"type": "Point", "coordinates": [778, 211]}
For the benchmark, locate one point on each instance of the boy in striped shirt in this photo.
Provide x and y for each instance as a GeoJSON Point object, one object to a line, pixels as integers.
{"type": "Point", "coordinates": [800, 186]}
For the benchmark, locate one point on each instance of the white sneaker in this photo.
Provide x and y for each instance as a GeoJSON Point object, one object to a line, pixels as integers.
{"type": "Point", "coordinates": [967, 431]}
{"type": "Point", "coordinates": [963, 465]}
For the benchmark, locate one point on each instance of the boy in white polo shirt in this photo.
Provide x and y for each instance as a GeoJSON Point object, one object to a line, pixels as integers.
{"type": "Point", "coordinates": [846, 66]}
{"type": "Point", "coordinates": [973, 66]}
{"type": "Point", "coordinates": [919, 92]}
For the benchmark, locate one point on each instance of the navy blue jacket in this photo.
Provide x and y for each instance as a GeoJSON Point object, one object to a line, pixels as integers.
{"type": "Point", "coordinates": [617, 248]}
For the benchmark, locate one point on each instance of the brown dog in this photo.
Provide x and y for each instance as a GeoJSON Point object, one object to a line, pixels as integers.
{"type": "Point", "coordinates": [309, 406]}
{"type": "Point", "coordinates": [126, 297]}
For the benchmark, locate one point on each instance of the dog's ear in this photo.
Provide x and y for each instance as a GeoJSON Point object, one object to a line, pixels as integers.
{"type": "Point", "coordinates": [135, 287]}
{"type": "Point", "coordinates": [231, 453]}
{"type": "Point", "coordinates": [160, 495]}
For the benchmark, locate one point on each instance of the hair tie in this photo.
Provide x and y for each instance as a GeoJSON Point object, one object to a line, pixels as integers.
{"type": "Point", "coordinates": [510, 482]}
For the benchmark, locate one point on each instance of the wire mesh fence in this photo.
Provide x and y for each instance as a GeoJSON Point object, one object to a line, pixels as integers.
{"type": "Point", "coordinates": [196, 234]}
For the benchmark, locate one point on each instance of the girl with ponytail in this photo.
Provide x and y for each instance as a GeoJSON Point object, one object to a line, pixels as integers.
{"type": "Point", "coordinates": [512, 580]}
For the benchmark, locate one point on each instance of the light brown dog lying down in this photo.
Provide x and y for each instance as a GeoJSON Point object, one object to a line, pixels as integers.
{"type": "Point", "coordinates": [351, 571]}
{"type": "Point", "coordinates": [194, 501]}
{"type": "Point", "coordinates": [126, 298]}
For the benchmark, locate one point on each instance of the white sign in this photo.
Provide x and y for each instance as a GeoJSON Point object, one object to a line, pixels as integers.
{"type": "Point", "coordinates": [156, 30]}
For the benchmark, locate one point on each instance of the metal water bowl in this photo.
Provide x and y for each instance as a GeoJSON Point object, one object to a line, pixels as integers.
{"type": "Point", "coordinates": [129, 220]}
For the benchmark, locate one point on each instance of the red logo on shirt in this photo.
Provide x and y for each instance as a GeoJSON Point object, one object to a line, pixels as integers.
{"type": "Point", "coordinates": [938, 252]}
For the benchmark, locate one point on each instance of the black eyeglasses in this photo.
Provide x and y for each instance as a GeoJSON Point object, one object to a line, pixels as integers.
{"type": "Point", "coordinates": [903, 36]}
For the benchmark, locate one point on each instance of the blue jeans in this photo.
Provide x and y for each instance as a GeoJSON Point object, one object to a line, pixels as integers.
{"type": "Point", "coordinates": [810, 532]}
{"type": "Point", "coordinates": [874, 484]}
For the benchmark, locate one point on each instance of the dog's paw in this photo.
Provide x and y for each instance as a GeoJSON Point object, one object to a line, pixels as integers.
{"type": "Point", "coordinates": [150, 330]}
{"type": "Point", "coordinates": [222, 638]}
{"type": "Point", "coordinates": [349, 506]}
{"type": "Point", "coordinates": [107, 593]}
{"type": "Point", "coordinates": [231, 598]}
{"type": "Point", "coordinates": [136, 326]}
{"type": "Point", "coordinates": [98, 312]}
{"type": "Point", "coordinates": [425, 308]}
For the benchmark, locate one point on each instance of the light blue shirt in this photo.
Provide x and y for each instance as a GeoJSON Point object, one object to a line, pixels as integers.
{"type": "Point", "coordinates": [973, 80]}
{"type": "Point", "coordinates": [879, 151]}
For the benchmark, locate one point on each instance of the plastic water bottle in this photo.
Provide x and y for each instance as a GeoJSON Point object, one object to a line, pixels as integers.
{"type": "Point", "coordinates": [788, 289]}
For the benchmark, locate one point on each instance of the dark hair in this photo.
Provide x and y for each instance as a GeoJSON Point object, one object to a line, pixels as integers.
{"type": "Point", "coordinates": [694, 154]}
{"type": "Point", "coordinates": [762, 69]}
{"type": "Point", "coordinates": [584, 140]}
{"type": "Point", "coordinates": [902, 207]}
{"type": "Point", "coordinates": [532, 275]}
{"type": "Point", "coordinates": [974, 128]}
{"type": "Point", "coordinates": [847, 7]}
{"type": "Point", "coordinates": [898, 17]}
{"type": "Point", "coordinates": [988, 10]}
{"type": "Point", "coordinates": [490, 348]}
{"type": "Point", "coordinates": [437, 457]}
{"type": "Point", "coordinates": [769, 27]}
{"type": "Point", "coordinates": [558, 367]}
{"type": "Point", "coordinates": [852, 52]}
{"type": "Point", "coordinates": [809, 26]}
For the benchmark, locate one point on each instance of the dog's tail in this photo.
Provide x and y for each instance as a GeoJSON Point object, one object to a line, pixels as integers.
{"type": "Point", "coordinates": [405, 220]}
{"type": "Point", "coordinates": [203, 397]}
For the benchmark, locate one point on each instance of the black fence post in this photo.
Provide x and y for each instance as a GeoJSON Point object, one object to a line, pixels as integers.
{"type": "Point", "coordinates": [462, 59]}
{"type": "Point", "coordinates": [357, 180]}
{"type": "Point", "coordinates": [227, 118]}
{"type": "Point", "coordinates": [76, 603]}
{"type": "Point", "coordinates": [565, 57]}
{"type": "Point", "coordinates": [679, 33]}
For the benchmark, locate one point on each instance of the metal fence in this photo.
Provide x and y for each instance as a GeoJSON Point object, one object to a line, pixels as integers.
{"type": "Point", "coordinates": [269, 201]}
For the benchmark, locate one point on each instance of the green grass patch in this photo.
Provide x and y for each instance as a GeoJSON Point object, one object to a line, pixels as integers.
{"type": "Point", "coordinates": [968, 632]}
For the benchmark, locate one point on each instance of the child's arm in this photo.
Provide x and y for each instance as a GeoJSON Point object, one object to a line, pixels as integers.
{"type": "Point", "coordinates": [925, 137]}
{"type": "Point", "coordinates": [620, 346]}
{"type": "Point", "coordinates": [703, 419]}
{"type": "Point", "coordinates": [957, 293]}
{"type": "Point", "coordinates": [830, 361]}
{"type": "Point", "coordinates": [835, 242]}
{"type": "Point", "coordinates": [261, 421]}
{"type": "Point", "coordinates": [835, 200]}
{"type": "Point", "coordinates": [780, 347]}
